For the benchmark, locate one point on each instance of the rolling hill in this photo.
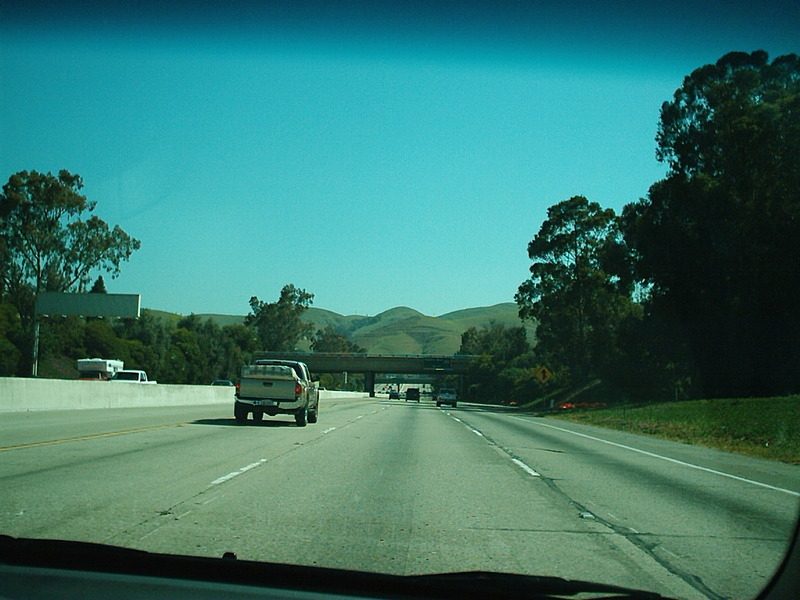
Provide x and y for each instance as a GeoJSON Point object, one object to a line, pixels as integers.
{"type": "Point", "coordinates": [403, 330]}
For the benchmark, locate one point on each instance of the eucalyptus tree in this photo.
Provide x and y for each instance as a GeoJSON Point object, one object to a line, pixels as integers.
{"type": "Point", "coordinates": [715, 242]}
{"type": "Point", "coordinates": [574, 299]}
{"type": "Point", "coordinates": [278, 325]}
{"type": "Point", "coordinates": [51, 241]}
{"type": "Point", "coordinates": [503, 368]}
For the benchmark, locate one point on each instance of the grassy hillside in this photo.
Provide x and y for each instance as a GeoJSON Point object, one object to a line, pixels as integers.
{"type": "Point", "coordinates": [406, 331]}
{"type": "Point", "coordinates": [323, 318]}
{"type": "Point", "coordinates": [319, 316]}
{"type": "Point", "coordinates": [403, 330]}
{"type": "Point", "coordinates": [764, 427]}
{"type": "Point", "coordinates": [223, 320]}
{"type": "Point", "coordinates": [416, 334]}
{"type": "Point", "coordinates": [506, 314]}
{"type": "Point", "coordinates": [169, 317]}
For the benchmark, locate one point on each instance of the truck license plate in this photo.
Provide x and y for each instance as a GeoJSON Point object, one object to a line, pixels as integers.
{"type": "Point", "coordinates": [263, 402]}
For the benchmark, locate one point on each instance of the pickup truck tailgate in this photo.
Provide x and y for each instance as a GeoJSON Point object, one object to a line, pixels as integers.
{"type": "Point", "coordinates": [274, 382]}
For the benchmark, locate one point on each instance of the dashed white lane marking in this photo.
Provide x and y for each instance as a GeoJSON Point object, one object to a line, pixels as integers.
{"type": "Point", "coordinates": [149, 533]}
{"type": "Point", "coordinates": [525, 467]}
{"type": "Point", "coordinates": [516, 461]}
{"type": "Point", "coordinates": [667, 458]}
{"type": "Point", "coordinates": [230, 476]}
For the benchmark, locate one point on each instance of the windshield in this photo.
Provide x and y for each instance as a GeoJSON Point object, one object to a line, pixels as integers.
{"type": "Point", "coordinates": [540, 259]}
{"type": "Point", "coordinates": [126, 375]}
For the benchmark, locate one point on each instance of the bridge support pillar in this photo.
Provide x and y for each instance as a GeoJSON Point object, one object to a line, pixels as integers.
{"type": "Point", "coordinates": [369, 382]}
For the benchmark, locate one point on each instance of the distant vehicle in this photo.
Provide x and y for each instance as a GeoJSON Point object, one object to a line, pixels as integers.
{"type": "Point", "coordinates": [224, 382]}
{"type": "Point", "coordinates": [98, 369]}
{"type": "Point", "coordinates": [412, 394]}
{"type": "Point", "coordinates": [447, 395]}
{"type": "Point", "coordinates": [131, 376]}
{"type": "Point", "coordinates": [276, 387]}
{"type": "Point", "coordinates": [394, 395]}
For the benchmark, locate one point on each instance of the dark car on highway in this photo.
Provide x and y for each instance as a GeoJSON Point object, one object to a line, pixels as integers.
{"type": "Point", "coordinates": [447, 395]}
{"type": "Point", "coordinates": [412, 394]}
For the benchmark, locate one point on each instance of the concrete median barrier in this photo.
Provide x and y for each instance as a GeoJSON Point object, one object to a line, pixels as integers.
{"type": "Point", "coordinates": [18, 394]}
{"type": "Point", "coordinates": [24, 394]}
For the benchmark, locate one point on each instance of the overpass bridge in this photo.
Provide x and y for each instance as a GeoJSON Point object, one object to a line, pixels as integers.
{"type": "Point", "coordinates": [371, 364]}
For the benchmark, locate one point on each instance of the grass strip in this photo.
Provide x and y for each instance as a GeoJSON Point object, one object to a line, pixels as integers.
{"type": "Point", "coordinates": [763, 427]}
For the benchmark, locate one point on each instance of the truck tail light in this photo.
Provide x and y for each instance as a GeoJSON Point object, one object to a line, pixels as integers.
{"type": "Point", "coordinates": [298, 390]}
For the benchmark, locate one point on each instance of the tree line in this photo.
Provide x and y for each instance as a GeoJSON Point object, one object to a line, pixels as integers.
{"type": "Point", "coordinates": [693, 290]}
{"type": "Point", "coordinates": [50, 240]}
{"type": "Point", "coordinates": [171, 348]}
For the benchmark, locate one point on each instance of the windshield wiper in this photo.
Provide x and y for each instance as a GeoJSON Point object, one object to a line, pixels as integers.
{"type": "Point", "coordinates": [512, 585]}
{"type": "Point", "coordinates": [86, 556]}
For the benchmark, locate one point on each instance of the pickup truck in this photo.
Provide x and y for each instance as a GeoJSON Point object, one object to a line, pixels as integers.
{"type": "Point", "coordinates": [276, 387]}
{"type": "Point", "coordinates": [130, 376]}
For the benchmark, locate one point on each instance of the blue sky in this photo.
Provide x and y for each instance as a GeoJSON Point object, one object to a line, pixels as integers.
{"type": "Point", "coordinates": [372, 154]}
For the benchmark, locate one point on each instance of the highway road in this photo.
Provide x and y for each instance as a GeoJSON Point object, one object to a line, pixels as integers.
{"type": "Point", "coordinates": [403, 488]}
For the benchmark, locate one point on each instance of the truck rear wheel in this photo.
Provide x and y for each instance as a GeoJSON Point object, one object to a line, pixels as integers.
{"type": "Point", "coordinates": [301, 416]}
{"type": "Point", "coordinates": [257, 416]}
{"type": "Point", "coordinates": [312, 415]}
{"type": "Point", "coordinates": [240, 413]}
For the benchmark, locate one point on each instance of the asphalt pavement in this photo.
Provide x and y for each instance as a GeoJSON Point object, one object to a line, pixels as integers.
{"type": "Point", "coordinates": [403, 488]}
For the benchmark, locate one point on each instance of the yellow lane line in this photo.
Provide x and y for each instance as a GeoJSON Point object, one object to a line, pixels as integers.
{"type": "Point", "coordinates": [90, 437]}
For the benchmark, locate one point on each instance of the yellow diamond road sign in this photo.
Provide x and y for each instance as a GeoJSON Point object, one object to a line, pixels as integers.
{"type": "Point", "coordinates": [543, 374]}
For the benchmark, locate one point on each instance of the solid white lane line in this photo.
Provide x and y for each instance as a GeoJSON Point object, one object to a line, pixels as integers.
{"type": "Point", "coordinates": [667, 458]}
